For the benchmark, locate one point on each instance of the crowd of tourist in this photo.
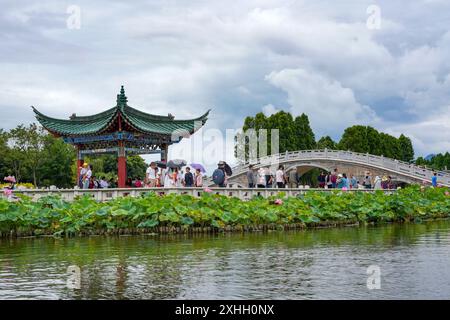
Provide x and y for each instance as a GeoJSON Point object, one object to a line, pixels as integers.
{"type": "Point", "coordinates": [264, 178]}
{"type": "Point", "coordinates": [154, 177]}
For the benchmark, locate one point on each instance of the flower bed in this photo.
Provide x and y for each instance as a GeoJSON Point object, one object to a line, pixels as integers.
{"type": "Point", "coordinates": [210, 213]}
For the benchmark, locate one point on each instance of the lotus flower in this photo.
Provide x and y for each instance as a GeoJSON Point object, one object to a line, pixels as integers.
{"type": "Point", "coordinates": [208, 190]}
{"type": "Point", "coordinates": [7, 192]}
{"type": "Point", "coordinates": [447, 193]}
{"type": "Point", "coordinates": [344, 188]}
{"type": "Point", "coordinates": [278, 202]}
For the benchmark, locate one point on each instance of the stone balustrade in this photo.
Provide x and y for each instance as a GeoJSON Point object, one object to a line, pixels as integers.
{"type": "Point", "coordinates": [108, 194]}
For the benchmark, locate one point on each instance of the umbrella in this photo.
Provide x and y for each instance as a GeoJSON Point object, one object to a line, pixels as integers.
{"type": "Point", "coordinates": [198, 166]}
{"type": "Point", "coordinates": [228, 170]}
{"type": "Point", "coordinates": [176, 163]}
{"type": "Point", "coordinates": [161, 164]}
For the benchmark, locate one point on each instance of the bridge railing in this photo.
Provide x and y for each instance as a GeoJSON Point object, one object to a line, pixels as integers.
{"type": "Point", "coordinates": [109, 194]}
{"type": "Point", "coordinates": [400, 167]}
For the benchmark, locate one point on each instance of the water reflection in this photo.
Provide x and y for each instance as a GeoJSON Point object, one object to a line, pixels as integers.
{"type": "Point", "coordinates": [314, 264]}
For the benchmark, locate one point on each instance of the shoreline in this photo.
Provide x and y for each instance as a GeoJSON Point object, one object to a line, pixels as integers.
{"type": "Point", "coordinates": [211, 213]}
{"type": "Point", "coordinates": [176, 230]}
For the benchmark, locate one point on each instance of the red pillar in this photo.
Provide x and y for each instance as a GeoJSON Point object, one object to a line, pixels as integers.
{"type": "Point", "coordinates": [121, 166]}
{"type": "Point", "coordinates": [80, 162]}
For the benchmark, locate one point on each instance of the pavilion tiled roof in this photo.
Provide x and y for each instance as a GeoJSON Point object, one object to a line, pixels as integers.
{"type": "Point", "coordinates": [101, 122]}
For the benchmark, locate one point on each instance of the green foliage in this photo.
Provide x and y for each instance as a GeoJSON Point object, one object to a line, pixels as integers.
{"type": "Point", "coordinates": [294, 134]}
{"type": "Point", "coordinates": [32, 155]}
{"type": "Point", "coordinates": [326, 142]}
{"type": "Point", "coordinates": [304, 136]}
{"type": "Point", "coordinates": [366, 139]}
{"type": "Point", "coordinates": [438, 162]}
{"type": "Point", "coordinates": [51, 215]}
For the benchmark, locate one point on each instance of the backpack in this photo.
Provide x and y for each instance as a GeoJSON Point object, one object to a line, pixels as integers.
{"type": "Point", "coordinates": [218, 177]}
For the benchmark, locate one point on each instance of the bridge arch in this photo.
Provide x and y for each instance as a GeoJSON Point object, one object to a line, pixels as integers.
{"type": "Point", "coordinates": [348, 162]}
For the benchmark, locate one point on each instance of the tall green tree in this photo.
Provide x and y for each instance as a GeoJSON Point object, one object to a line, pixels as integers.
{"type": "Point", "coordinates": [294, 134]}
{"type": "Point", "coordinates": [58, 160]}
{"type": "Point", "coordinates": [406, 148]}
{"type": "Point", "coordinates": [304, 135]}
{"type": "Point", "coordinates": [326, 142]}
{"type": "Point", "coordinates": [25, 154]}
{"type": "Point", "coordinates": [355, 139]}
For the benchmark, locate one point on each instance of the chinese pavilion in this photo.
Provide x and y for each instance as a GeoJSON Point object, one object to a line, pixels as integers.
{"type": "Point", "coordinates": [121, 130]}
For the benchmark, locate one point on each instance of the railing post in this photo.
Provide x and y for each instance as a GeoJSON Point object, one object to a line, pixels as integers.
{"type": "Point", "coordinates": [326, 153]}
{"type": "Point", "coordinates": [367, 156]}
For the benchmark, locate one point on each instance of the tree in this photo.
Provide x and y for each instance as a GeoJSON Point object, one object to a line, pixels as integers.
{"type": "Point", "coordinates": [58, 160]}
{"type": "Point", "coordinates": [27, 145]}
{"type": "Point", "coordinates": [438, 162]}
{"type": "Point", "coordinates": [406, 148]}
{"type": "Point", "coordinates": [136, 167]}
{"type": "Point", "coordinates": [282, 121]}
{"type": "Point", "coordinates": [293, 134]}
{"type": "Point", "coordinates": [304, 136]}
{"type": "Point", "coordinates": [354, 139]}
{"type": "Point", "coordinates": [389, 146]}
{"type": "Point", "coordinates": [326, 142]}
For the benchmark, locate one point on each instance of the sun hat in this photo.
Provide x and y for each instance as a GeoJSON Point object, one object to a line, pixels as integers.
{"type": "Point", "coordinates": [85, 164]}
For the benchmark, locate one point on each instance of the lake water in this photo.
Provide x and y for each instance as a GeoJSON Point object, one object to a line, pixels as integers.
{"type": "Point", "coordinates": [413, 260]}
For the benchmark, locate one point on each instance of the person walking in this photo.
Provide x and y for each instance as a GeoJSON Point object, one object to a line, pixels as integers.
{"type": "Point", "coordinates": [261, 178]}
{"type": "Point", "coordinates": [367, 182]}
{"type": "Point", "coordinates": [219, 175]}
{"type": "Point", "coordinates": [83, 171]}
{"type": "Point", "coordinates": [321, 180]}
{"type": "Point", "coordinates": [167, 178]}
{"type": "Point", "coordinates": [377, 183]}
{"type": "Point", "coordinates": [328, 182]}
{"type": "Point", "coordinates": [280, 178]}
{"type": "Point", "coordinates": [354, 182]}
{"type": "Point", "coordinates": [188, 178]}
{"type": "Point", "coordinates": [333, 178]}
{"type": "Point", "coordinates": [340, 183]}
{"type": "Point", "coordinates": [198, 178]}
{"type": "Point", "coordinates": [269, 177]}
{"type": "Point", "coordinates": [87, 177]}
{"type": "Point", "coordinates": [434, 180]}
{"type": "Point", "coordinates": [251, 177]}
{"type": "Point", "coordinates": [345, 182]}
{"type": "Point", "coordinates": [293, 179]}
{"type": "Point", "coordinates": [151, 177]}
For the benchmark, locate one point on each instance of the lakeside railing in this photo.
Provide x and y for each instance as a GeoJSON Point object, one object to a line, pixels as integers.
{"type": "Point", "coordinates": [109, 194]}
{"type": "Point", "coordinates": [380, 162]}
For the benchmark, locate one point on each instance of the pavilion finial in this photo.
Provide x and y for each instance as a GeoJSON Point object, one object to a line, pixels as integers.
{"type": "Point", "coordinates": [122, 98]}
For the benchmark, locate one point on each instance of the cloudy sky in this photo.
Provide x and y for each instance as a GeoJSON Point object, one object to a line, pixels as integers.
{"type": "Point", "coordinates": [328, 60]}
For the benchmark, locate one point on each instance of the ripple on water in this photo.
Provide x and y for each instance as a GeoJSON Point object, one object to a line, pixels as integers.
{"type": "Point", "coordinates": [315, 264]}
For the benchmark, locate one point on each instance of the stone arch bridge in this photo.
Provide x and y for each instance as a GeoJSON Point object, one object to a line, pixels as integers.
{"type": "Point", "coordinates": [352, 163]}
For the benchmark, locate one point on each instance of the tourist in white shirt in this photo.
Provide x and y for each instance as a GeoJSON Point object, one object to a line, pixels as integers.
{"type": "Point", "coordinates": [279, 177]}
{"type": "Point", "coordinates": [151, 176]}
{"type": "Point", "coordinates": [83, 171]}
{"type": "Point", "coordinates": [261, 178]}
{"type": "Point", "coordinates": [87, 177]}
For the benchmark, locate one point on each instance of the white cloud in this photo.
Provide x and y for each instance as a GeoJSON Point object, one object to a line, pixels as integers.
{"type": "Point", "coordinates": [183, 58]}
{"type": "Point", "coordinates": [330, 106]}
